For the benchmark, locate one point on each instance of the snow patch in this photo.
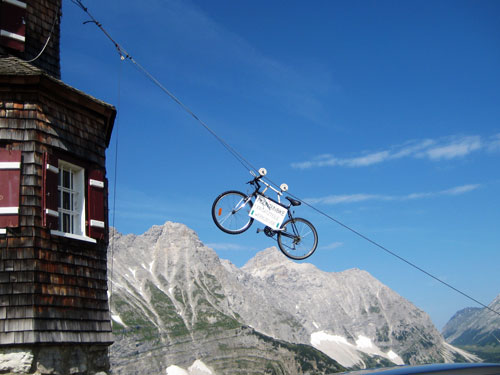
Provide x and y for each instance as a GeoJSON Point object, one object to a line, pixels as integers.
{"type": "Point", "coordinates": [364, 342]}
{"type": "Point", "coordinates": [347, 354]}
{"type": "Point", "coordinates": [197, 368]}
{"type": "Point", "coordinates": [366, 345]}
{"type": "Point", "coordinates": [176, 370]}
{"type": "Point", "coordinates": [393, 357]}
{"type": "Point", "coordinates": [316, 325]}
{"type": "Point", "coordinates": [133, 272]}
{"type": "Point", "coordinates": [336, 347]}
{"type": "Point", "coordinates": [119, 320]}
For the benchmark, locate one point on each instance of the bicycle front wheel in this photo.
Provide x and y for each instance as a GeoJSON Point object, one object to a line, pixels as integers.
{"type": "Point", "coordinates": [297, 238]}
{"type": "Point", "coordinates": [230, 212]}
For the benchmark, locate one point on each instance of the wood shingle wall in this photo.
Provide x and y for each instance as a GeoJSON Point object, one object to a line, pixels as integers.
{"type": "Point", "coordinates": [52, 289]}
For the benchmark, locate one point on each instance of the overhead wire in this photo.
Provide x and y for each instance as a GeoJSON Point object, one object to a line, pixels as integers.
{"type": "Point", "coordinates": [244, 162]}
{"type": "Point", "coordinates": [247, 165]}
{"type": "Point", "coordinates": [125, 55]}
{"type": "Point", "coordinates": [375, 243]}
{"type": "Point", "coordinates": [115, 179]}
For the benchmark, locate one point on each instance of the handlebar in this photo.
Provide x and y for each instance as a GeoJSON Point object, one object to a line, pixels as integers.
{"type": "Point", "coordinates": [257, 178]}
{"type": "Point", "coordinates": [255, 181]}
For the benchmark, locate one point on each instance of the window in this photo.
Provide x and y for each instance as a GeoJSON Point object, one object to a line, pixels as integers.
{"type": "Point", "coordinates": [71, 199]}
{"type": "Point", "coordinates": [74, 199]}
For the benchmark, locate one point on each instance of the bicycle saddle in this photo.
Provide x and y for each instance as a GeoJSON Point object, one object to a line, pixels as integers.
{"type": "Point", "coordinates": [293, 202]}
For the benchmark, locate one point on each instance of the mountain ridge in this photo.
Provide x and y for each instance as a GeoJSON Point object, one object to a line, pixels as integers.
{"type": "Point", "coordinates": [475, 326]}
{"type": "Point", "coordinates": [171, 294]}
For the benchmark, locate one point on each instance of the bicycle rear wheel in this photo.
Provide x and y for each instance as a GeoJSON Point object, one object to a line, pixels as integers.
{"type": "Point", "coordinates": [230, 212]}
{"type": "Point", "coordinates": [297, 238]}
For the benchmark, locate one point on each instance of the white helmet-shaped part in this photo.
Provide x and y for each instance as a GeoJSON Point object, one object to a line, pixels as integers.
{"type": "Point", "coordinates": [284, 187]}
{"type": "Point", "coordinates": [262, 172]}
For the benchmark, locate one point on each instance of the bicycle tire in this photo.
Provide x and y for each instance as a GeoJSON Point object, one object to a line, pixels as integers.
{"type": "Point", "coordinates": [297, 238]}
{"type": "Point", "coordinates": [228, 216]}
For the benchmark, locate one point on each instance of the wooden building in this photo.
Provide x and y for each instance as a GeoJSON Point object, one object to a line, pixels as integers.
{"type": "Point", "coordinates": [53, 203]}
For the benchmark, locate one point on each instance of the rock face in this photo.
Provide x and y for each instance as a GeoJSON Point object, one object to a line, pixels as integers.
{"type": "Point", "coordinates": [475, 326]}
{"type": "Point", "coordinates": [175, 302]}
{"type": "Point", "coordinates": [55, 359]}
{"type": "Point", "coordinates": [341, 313]}
{"type": "Point", "coordinates": [171, 305]}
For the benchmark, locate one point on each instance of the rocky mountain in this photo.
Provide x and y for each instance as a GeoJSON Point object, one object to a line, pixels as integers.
{"type": "Point", "coordinates": [171, 311]}
{"type": "Point", "coordinates": [177, 307]}
{"type": "Point", "coordinates": [345, 313]}
{"type": "Point", "coordinates": [458, 323]}
{"type": "Point", "coordinates": [477, 329]}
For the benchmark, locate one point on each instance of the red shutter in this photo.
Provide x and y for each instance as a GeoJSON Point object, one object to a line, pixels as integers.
{"type": "Point", "coordinates": [12, 24]}
{"type": "Point", "coordinates": [50, 200]}
{"type": "Point", "coordinates": [10, 181]}
{"type": "Point", "coordinates": [96, 207]}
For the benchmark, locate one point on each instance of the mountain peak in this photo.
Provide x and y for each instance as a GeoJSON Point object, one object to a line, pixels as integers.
{"type": "Point", "coordinates": [269, 257]}
{"type": "Point", "coordinates": [156, 232]}
{"type": "Point", "coordinates": [170, 228]}
{"type": "Point", "coordinates": [272, 263]}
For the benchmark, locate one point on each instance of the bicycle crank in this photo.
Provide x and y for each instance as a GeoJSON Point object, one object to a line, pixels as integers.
{"type": "Point", "coordinates": [267, 231]}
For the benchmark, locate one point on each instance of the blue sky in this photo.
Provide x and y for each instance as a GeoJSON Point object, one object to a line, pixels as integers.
{"type": "Point", "coordinates": [383, 114]}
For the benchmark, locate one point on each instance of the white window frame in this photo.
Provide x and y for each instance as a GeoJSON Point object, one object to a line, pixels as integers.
{"type": "Point", "coordinates": [71, 198]}
{"type": "Point", "coordinates": [77, 202]}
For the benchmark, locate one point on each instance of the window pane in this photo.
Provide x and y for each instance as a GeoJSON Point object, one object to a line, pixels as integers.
{"type": "Point", "coordinates": [66, 200]}
{"type": "Point", "coordinates": [66, 223]}
{"type": "Point", "coordinates": [66, 182]}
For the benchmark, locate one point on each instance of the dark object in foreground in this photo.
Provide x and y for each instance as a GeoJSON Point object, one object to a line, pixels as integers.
{"type": "Point", "coordinates": [441, 369]}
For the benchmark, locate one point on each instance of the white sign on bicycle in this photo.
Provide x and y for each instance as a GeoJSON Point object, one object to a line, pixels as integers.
{"type": "Point", "coordinates": [268, 212]}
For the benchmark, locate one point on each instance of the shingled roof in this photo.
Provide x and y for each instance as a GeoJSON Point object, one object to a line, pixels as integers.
{"type": "Point", "coordinates": [15, 66]}
{"type": "Point", "coordinates": [14, 71]}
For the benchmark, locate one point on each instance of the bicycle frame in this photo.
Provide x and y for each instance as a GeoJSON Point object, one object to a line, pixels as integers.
{"type": "Point", "coordinates": [234, 212]}
{"type": "Point", "coordinates": [256, 182]}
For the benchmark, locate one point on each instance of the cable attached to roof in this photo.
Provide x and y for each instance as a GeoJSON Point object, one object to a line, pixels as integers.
{"type": "Point", "coordinates": [56, 17]}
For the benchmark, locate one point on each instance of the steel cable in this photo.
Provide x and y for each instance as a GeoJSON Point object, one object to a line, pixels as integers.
{"type": "Point", "coordinates": [247, 165]}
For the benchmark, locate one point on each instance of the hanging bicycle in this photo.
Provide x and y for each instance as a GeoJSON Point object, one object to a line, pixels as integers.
{"type": "Point", "coordinates": [234, 212]}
